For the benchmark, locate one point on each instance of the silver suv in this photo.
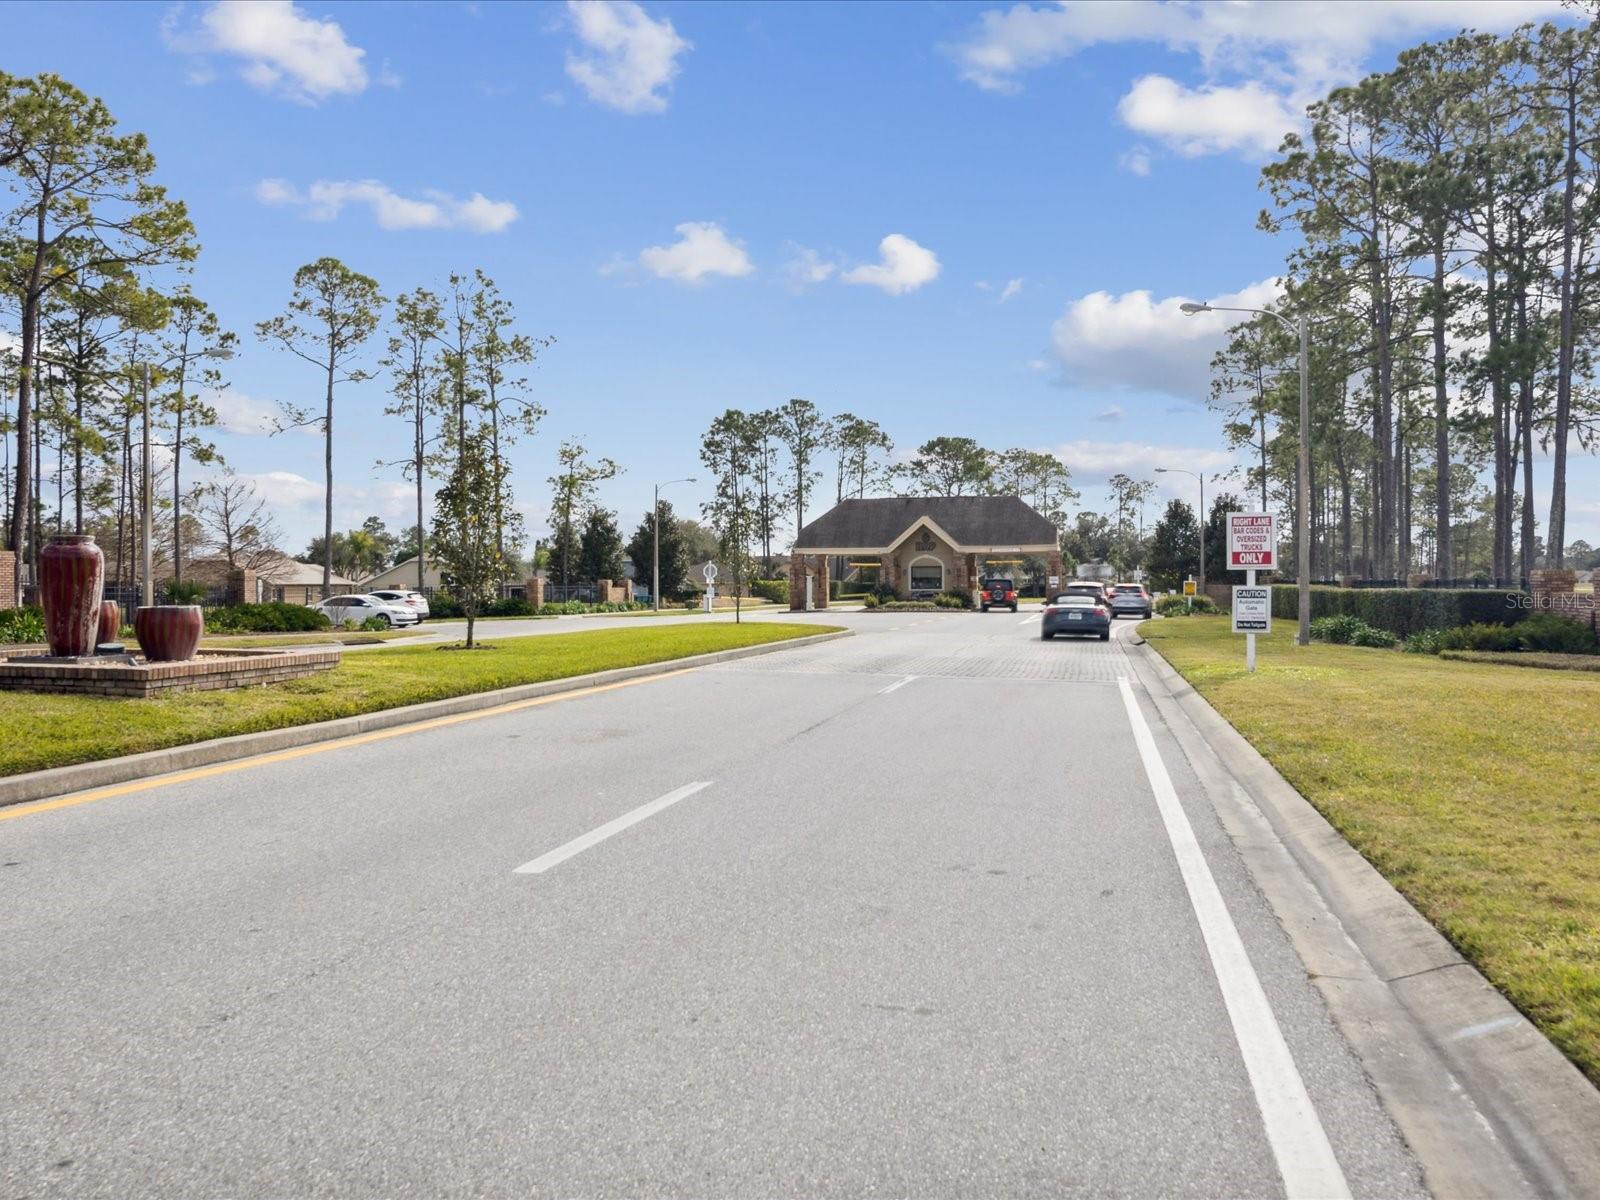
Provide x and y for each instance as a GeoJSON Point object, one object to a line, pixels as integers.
{"type": "Point", "coordinates": [1131, 600]}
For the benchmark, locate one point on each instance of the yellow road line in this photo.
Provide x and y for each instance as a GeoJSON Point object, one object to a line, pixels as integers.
{"type": "Point", "coordinates": [358, 739]}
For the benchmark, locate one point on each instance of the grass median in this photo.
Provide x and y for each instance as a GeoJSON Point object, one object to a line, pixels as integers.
{"type": "Point", "coordinates": [1475, 790]}
{"type": "Point", "coordinates": [52, 731]}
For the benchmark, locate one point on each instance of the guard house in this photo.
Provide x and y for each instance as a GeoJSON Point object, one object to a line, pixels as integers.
{"type": "Point", "coordinates": [919, 545]}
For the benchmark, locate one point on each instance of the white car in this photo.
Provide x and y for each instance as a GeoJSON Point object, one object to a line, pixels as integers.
{"type": "Point", "coordinates": [356, 609]}
{"type": "Point", "coordinates": [412, 600]}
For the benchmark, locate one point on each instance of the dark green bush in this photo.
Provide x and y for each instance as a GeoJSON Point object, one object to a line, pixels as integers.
{"type": "Point", "coordinates": [265, 618]}
{"type": "Point", "coordinates": [871, 600]}
{"type": "Point", "coordinates": [1340, 630]}
{"type": "Point", "coordinates": [1425, 641]}
{"type": "Point", "coordinates": [777, 590]}
{"type": "Point", "coordinates": [443, 604]}
{"type": "Point", "coordinates": [508, 606]}
{"type": "Point", "coordinates": [1183, 606]}
{"type": "Point", "coordinates": [1404, 611]}
{"type": "Point", "coordinates": [1480, 637]}
{"type": "Point", "coordinates": [373, 624]}
{"type": "Point", "coordinates": [954, 598]}
{"type": "Point", "coordinates": [1556, 635]}
{"type": "Point", "coordinates": [184, 591]}
{"type": "Point", "coordinates": [1375, 639]}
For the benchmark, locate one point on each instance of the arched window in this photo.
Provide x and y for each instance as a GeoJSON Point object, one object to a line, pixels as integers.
{"type": "Point", "coordinates": [925, 574]}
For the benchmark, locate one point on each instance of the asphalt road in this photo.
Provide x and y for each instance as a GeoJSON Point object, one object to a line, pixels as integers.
{"type": "Point", "coordinates": [930, 924]}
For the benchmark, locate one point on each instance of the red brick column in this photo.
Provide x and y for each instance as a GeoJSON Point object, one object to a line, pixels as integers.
{"type": "Point", "coordinates": [821, 596]}
{"type": "Point", "coordinates": [1053, 566]}
{"type": "Point", "coordinates": [8, 579]}
{"type": "Point", "coordinates": [535, 591]}
{"type": "Point", "coordinates": [797, 582]}
{"type": "Point", "coordinates": [886, 571]}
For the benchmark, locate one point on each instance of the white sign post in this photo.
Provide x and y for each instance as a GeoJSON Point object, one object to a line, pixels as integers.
{"type": "Point", "coordinates": [1252, 547]}
{"type": "Point", "coordinates": [710, 573]}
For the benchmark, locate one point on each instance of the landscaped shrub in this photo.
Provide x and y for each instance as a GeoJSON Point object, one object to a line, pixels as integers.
{"type": "Point", "coordinates": [954, 598]}
{"type": "Point", "coordinates": [508, 606]}
{"type": "Point", "coordinates": [1556, 635]}
{"type": "Point", "coordinates": [1338, 630]}
{"type": "Point", "coordinates": [871, 600]}
{"type": "Point", "coordinates": [1480, 637]}
{"type": "Point", "coordinates": [373, 624]}
{"type": "Point", "coordinates": [184, 591]}
{"type": "Point", "coordinates": [21, 625]}
{"type": "Point", "coordinates": [443, 604]}
{"type": "Point", "coordinates": [885, 593]}
{"type": "Point", "coordinates": [910, 605]}
{"type": "Point", "coordinates": [776, 590]}
{"type": "Point", "coordinates": [1183, 606]}
{"type": "Point", "coordinates": [1425, 641]}
{"type": "Point", "coordinates": [1375, 639]}
{"type": "Point", "coordinates": [1405, 611]}
{"type": "Point", "coordinates": [265, 618]}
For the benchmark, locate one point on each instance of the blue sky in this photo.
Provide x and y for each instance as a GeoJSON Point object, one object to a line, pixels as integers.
{"type": "Point", "coordinates": [694, 200]}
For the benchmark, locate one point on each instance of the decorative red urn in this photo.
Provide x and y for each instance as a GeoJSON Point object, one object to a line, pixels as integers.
{"type": "Point", "coordinates": [71, 578]}
{"type": "Point", "coordinates": [168, 632]}
{"type": "Point", "coordinates": [110, 621]}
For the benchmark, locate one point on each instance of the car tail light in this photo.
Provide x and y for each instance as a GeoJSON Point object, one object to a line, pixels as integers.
{"type": "Point", "coordinates": [1100, 610]}
{"type": "Point", "coordinates": [1011, 595]}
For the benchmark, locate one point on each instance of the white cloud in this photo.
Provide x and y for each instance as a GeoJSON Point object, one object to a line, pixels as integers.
{"type": "Point", "coordinates": [1013, 288]}
{"type": "Point", "coordinates": [1206, 120]}
{"type": "Point", "coordinates": [240, 414]}
{"type": "Point", "coordinates": [1114, 413]}
{"type": "Point", "coordinates": [1136, 161]}
{"type": "Point", "coordinates": [1281, 53]}
{"type": "Point", "coordinates": [326, 198]}
{"type": "Point", "coordinates": [806, 267]}
{"type": "Point", "coordinates": [1137, 342]}
{"type": "Point", "coordinates": [284, 50]}
{"type": "Point", "coordinates": [634, 59]}
{"type": "Point", "coordinates": [902, 266]}
{"type": "Point", "coordinates": [285, 489]}
{"type": "Point", "coordinates": [702, 250]}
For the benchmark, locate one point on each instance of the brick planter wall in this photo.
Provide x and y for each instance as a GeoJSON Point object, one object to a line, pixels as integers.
{"type": "Point", "coordinates": [211, 670]}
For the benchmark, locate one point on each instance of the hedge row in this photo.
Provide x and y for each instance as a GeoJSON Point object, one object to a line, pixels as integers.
{"type": "Point", "coordinates": [1404, 611]}
{"type": "Point", "coordinates": [775, 590]}
{"type": "Point", "coordinates": [265, 618]}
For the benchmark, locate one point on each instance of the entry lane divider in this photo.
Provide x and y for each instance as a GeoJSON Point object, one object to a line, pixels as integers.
{"type": "Point", "coordinates": [1305, 1158]}
{"type": "Point", "coordinates": [896, 685]}
{"type": "Point", "coordinates": [610, 829]}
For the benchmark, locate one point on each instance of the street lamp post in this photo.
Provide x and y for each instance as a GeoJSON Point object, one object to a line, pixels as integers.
{"type": "Point", "coordinates": [655, 521]}
{"type": "Point", "coordinates": [1302, 523]}
{"type": "Point", "coordinates": [1202, 479]}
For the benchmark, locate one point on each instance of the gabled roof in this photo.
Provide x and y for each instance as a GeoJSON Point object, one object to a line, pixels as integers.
{"type": "Point", "coordinates": [976, 522]}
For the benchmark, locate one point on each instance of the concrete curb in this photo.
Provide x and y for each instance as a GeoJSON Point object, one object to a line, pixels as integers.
{"type": "Point", "coordinates": [59, 781]}
{"type": "Point", "coordinates": [1492, 1108]}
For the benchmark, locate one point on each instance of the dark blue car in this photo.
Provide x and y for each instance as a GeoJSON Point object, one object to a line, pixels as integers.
{"type": "Point", "coordinates": [1076, 614]}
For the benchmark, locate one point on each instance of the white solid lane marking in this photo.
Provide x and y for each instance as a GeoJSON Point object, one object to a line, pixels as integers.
{"type": "Point", "coordinates": [1025, 620]}
{"type": "Point", "coordinates": [595, 836]}
{"type": "Point", "coordinates": [899, 683]}
{"type": "Point", "coordinates": [1306, 1161]}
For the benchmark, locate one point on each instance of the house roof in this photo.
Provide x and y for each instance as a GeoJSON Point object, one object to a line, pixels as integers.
{"type": "Point", "coordinates": [972, 522]}
{"type": "Point", "coordinates": [293, 573]}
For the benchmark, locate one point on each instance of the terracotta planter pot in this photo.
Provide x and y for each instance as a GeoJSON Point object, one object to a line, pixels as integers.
{"type": "Point", "coordinates": [71, 579]}
{"type": "Point", "coordinates": [110, 621]}
{"type": "Point", "coordinates": [169, 632]}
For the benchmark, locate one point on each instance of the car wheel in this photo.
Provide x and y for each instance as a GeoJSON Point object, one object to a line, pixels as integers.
{"type": "Point", "coordinates": [1106, 636]}
{"type": "Point", "coordinates": [1046, 636]}
{"type": "Point", "coordinates": [383, 619]}
{"type": "Point", "coordinates": [985, 608]}
{"type": "Point", "coordinates": [1013, 608]}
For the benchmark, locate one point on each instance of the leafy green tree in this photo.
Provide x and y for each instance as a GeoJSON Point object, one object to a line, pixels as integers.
{"type": "Point", "coordinates": [575, 484]}
{"type": "Point", "coordinates": [194, 339]}
{"type": "Point", "coordinates": [416, 380]}
{"type": "Point", "coordinates": [1174, 552]}
{"type": "Point", "coordinates": [950, 466]}
{"type": "Point", "coordinates": [1217, 538]}
{"type": "Point", "coordinates": [727, 450]}
{"type": "Point", "coordinates": [75, 180]}
{"type": "Point", "coordinates": [498, 354]}
{"type": "Point", "coordinates": [772, 492]}
{"type": "Point", "coordinates": [674, 550]}
{"type": "Point", "coordinates": [863, 449]}
{"type": "Point", "coordinates": [600, 547]}
{"type": "Point", "coordinates": [466, 541]}
{"type": "Point", "coordinates": [805, 432]}
{"type": "Point", "coordinates": [330, 315]}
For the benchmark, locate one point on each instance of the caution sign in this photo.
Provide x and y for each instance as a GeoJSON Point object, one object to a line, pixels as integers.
{"type": "Point", "coordinates": [1252, 541]}
{"type": "Point", "coordinates": [1252, 609]}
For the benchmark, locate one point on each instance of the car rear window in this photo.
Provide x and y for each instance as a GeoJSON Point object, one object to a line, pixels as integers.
{"type": "Point", "coordinates": [1076, 599]}
{"type": "Point", "coordinates": [1129, 589]}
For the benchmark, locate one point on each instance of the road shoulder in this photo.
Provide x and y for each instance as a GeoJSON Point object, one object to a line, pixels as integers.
{"type": "Point", "coordinates": [1487, 1104]}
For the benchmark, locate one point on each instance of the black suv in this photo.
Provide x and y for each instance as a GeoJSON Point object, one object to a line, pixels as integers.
{"type": "Point", "coordinates": [998, 593]}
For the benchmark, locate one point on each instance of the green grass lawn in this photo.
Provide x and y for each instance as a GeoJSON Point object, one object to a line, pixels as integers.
{"type": "Point", "coordinates": [1475, 790]}
{"type": "Point", "coordinates": [52, 731]}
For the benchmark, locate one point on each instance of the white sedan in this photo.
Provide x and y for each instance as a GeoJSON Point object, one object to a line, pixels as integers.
{"type": "Point", "coordinates": [413, 600]}
{"type": "Point", "coordinates": [356, 609]}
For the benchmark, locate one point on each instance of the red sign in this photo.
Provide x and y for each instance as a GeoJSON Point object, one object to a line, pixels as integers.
{"type": "Point", "coordinates": [1252, 541]}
